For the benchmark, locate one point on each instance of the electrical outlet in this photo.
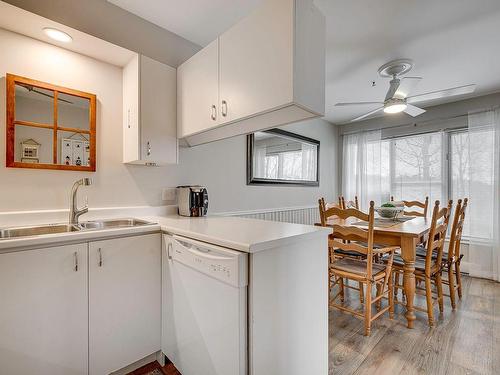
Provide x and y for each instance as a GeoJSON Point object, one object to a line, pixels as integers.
{"type": "Point", "coordinates": [169, 194]}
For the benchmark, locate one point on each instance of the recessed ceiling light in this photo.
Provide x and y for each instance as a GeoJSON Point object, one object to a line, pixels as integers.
{"type": "Point", "coordinates": [395, 108]}
{"type": "Point", "coordinates": [58, 35]}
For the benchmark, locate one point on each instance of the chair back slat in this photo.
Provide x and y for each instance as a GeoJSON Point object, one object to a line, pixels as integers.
{"type": "Point", "coordinates": [347, 213]}
{"type": "Point", "coordinates": [424, 205]}
{"type": "Point", "coordinates": [350, 233]}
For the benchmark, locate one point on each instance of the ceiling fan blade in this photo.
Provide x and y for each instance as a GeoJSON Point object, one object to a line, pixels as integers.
{"type": "Point", "coordinates": [413, 111]}
{"type": "Point", "coordinates": [356, 103]}
{"type": "Point", "coordinates": [367, 114]}
{"type": "Point", "coordinates": [394, 85]}
{"type": "Point", "coordinates": [461, 90]}
{"type": "Point", "coordinates": [406, 86]}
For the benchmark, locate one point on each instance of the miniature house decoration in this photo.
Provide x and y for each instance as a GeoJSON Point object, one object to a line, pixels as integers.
{"type": "Point", "coordinates": [30, 149]}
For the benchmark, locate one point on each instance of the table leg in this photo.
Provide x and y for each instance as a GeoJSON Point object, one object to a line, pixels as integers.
{"type": "Point", "coordinates": [408, 254]}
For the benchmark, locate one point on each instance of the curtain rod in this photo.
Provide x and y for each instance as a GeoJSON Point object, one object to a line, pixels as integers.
{"type": "Point", "coordinates": [415, 124]}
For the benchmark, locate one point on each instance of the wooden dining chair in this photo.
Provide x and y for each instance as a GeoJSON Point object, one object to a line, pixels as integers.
{"type": "Point", "coordinates": [453, 257]}
{"type": "Point", "coordinates": [409, 204]}
{"type": "Point", "coordinates": [353, 203]}
{"type": "Point", "coordinates": [364, 270]}
{"type": "Point", "coordinates": [324, 215]}
{"type": "Point", "coordinates": [428, 269]}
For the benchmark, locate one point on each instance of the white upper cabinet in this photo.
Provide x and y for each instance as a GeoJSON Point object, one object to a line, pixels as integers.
{"type": "Point", "coordinates": [149, 112]}
{"type": "Point", "coordinates": [256, 64]}
{"type": "Point", "coordinates": [197, 91]}
{"type": "Point", "coordinates": [271, 71]}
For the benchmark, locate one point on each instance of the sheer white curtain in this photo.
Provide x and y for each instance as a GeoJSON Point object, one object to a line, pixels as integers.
{"type": "Point", "coordinates": [365, 168]}
{"type": "Point", "coordinates": [259, 162]}
{"type": "Point", "coordinates": [309, 162]}
{"type": "Point", "coordinates": [483, 218]}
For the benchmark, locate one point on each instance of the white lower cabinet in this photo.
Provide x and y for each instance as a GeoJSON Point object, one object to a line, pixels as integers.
{"type": "Point", "coordinates": [43, 311]}
{"type": "Point", "coordinates": [89, 308]}
{"type": "Point", "coordinates": [124, 301]}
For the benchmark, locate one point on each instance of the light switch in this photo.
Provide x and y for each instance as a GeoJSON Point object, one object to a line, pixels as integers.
{"type": "Point", "coordinates": [169, 194]}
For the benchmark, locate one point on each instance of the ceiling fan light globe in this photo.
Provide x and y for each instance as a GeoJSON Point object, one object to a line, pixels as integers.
{"type": "Point", "coordinates": [395, 108]}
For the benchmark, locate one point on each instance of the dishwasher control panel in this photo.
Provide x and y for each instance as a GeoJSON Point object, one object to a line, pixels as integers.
{"type": "Point", "coordinates": [223, 264]}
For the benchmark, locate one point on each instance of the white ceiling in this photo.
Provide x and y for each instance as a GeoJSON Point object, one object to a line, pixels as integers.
{"type": "Point", "coordinates": [199, 21]}
{"type": "Point", "coordinates": [452, 42]}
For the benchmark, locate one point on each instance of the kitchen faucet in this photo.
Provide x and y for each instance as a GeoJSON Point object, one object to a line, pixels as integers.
{"type": "Point", "coordinates": [74, 211]}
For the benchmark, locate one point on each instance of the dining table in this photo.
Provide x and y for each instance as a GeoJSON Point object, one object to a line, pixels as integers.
{"type": "Point", "coordinates": [405, 233]}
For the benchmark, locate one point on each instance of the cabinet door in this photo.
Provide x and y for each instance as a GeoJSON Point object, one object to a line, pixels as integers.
{"type": "Point", "coordinates": [43, 314]}
{"type": "Point", "coordinates": [255, 56]}
{"type": "Point", "coordinates": [158, 112]}
{"type": "Point", "coordinates": [131, 138]}
{"type": "Point", "coordinates": [125, 301]}
{"type": "Point", "coordinates": [198, 92]}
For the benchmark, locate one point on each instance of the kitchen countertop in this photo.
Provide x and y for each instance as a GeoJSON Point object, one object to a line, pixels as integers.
{"type": "Point", "coordinates": [242, 234]}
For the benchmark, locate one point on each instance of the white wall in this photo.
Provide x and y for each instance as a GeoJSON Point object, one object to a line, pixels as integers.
{"type": "Point", "coordinates": [221, 166]}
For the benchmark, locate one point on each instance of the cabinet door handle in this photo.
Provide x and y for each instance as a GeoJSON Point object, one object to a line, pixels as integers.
{"type": "Point", "coordinates": [148, 148]}
{"type": "Point", "coordinates": [224, 108]}
{"type": "Point", "coordinates": [100, 257]}
{"type": "Point", "coordinates": [75, 255]}
{"type": "Point", "coordinates": [213, 116]}
{"type": "Point", "coordinates": [169, 250]}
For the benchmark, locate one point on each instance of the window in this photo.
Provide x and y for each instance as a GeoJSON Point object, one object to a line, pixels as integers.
{"type": "Point", "coordinates": [471, 169]}
{"type": "Point", "coordinates": [441, 165]}
{"type": "Point", "coordinates": [417, 167]}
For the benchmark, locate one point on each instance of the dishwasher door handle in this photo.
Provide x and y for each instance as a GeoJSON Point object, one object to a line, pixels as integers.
{"type": "Point", "coordinates": [200, 252]}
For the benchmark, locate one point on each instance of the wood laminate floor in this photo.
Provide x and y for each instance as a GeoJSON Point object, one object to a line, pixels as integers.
{"type": "Point", "coordinates": [464, 341]}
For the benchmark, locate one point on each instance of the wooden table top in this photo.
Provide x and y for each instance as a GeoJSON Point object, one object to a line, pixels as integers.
{"type": "Point", "coordinates": [416, 227]}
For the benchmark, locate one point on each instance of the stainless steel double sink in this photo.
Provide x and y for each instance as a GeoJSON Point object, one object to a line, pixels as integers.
{"type": "Point", "coordinates": [40, 230]}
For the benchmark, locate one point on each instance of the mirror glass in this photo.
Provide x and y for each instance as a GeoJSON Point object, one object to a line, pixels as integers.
{"type": "Point", "coordinates": [49, 126]}
{"type": "Point", "coordinates": [279, 157]}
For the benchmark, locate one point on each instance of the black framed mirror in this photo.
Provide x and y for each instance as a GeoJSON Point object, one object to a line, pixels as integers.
{"type": "Point", "coordinates": [279, 157]}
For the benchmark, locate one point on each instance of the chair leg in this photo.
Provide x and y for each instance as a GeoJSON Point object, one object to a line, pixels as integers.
{"type": "Point", "coordinates": [368, 308]}
{"type": "Point", "coordinates": [380, 290]}
{"type": "Point", "coordinates": [439, 285]}
{"type": "Point", "coordinates": [341, 286]}
{"type": "Point", "coordinates": [391, 299]}
{"type": "Point", "coordinates": [451, 285]}
{"type": "Point", "coordinates": [428, 297]}
{"type": "Point", "coordinates": [459, 278]}
{"type": "Point", "coordinates": [361, 292]}
{"type": "Point", "coordinates": [396, 284]}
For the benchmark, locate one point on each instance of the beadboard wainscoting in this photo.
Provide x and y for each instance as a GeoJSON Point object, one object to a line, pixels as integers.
{"type": "Point", "coordinates": [298, 215]}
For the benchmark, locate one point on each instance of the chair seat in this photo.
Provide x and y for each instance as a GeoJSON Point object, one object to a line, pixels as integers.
{"type": "Point", "coordinates": [365, 244]}
{"type": "Point", "coordinates": [399, 262]}
{"type": "Point", "coordinates": [422, 252]}
{"type": "Point", "coordinates": [358, 267]}
{"type": "Point", "coordinates": [347, 253]}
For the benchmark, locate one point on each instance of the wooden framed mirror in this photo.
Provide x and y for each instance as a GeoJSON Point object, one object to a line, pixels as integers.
{"type": "Point", "coordinates": [49, 126]}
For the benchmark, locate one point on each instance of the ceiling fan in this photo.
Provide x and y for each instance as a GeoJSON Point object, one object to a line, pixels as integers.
{"type": "Point", "coordinates": [398, 98]}
{"type": "Point", "coordinates": [31, 88]}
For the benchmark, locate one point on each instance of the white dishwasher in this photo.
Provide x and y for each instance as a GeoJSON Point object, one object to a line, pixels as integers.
{"type": "Point", "coordinates": [204, 307]}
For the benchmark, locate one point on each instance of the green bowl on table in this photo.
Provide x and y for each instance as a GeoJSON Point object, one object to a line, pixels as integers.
{"type": "Point", "coordinates": [389, 211]}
